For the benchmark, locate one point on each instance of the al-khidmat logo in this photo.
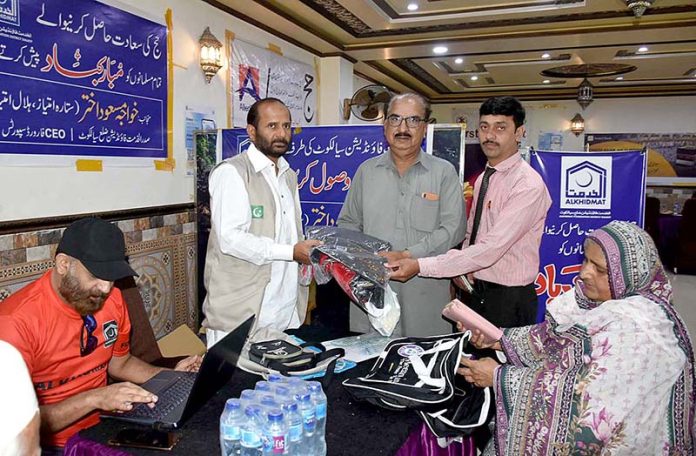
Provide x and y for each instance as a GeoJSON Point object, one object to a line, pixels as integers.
{"type": "Point", "coordinates": [9, 12]}
{"type": "Point", "coordinates": [586, 182]}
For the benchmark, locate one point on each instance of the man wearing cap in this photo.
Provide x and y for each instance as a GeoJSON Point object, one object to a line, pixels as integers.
{"type": "Point", "coordinates": [72, 328]}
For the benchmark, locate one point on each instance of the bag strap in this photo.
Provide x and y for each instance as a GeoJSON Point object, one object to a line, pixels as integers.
{"type": "Point", "coordinates": [424, 372]}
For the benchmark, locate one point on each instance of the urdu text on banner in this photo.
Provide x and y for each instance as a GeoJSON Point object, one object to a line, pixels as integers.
{"type": "Point", "coordinates": [258, 73]}
{"type": "Point", "coordinates": [81, 78]}
{"type": "Point", "coordinates": [587, 192]}
{"type": "Point", "coordinates": [325, 159]}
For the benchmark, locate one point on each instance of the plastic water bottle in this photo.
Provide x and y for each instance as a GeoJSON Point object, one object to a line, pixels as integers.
{"type": "Point", "coordinates": [320, 405]}
{"type": "Point", "coordinates": [252, 432]}
{"type": "Point", "coordinates": [263, 387]}
{"type": "Point", "coordinates": [276, 378]}
{"type": "Point", "coordinates": [294, 444]}
{"type": "Point", "coordinates": [281, 392]}
{"type": "Point", "coordinates": [268, 403]}
{"type": "Point", "coordinates": [276, 433]}
{"type": "Point", "coordinates": [230, 428]}
{"type": "Point", "coordinates": [248, 397]}
{"type": "Point", "coordinates": [309, 422]}
{"type": "Point", "coordinates": [296, 385]}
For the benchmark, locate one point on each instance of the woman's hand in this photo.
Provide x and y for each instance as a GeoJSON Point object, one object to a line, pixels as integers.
{"type": "Point", "coordinates": [478, 340]}
{"type": "Point", "coordinates": [478, 372]}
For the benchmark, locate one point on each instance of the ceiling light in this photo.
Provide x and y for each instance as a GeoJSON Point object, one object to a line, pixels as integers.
{"type": "Point", "coordinates": [459, 60]}
{"type": "Point", "coordinates": [546, 81]}
{"type": "Point", "coordinates": [545, 55]}
{"type": "Point", "coordinates": [412, 6]}
{"type": "Point", "coordinates": [440, 49]}
{"type": "Point", "coordinates": [585, 93]}
{"type": "Point", "coordinates": [643, 49]}
{"type": "Point", "coordinates": [619, 78]}
{"type": "Point", "coordinates": [474, 78]}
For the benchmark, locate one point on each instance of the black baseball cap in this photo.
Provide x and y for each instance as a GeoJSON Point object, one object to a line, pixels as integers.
{"type": "Point", "coordinates": [99, 245]}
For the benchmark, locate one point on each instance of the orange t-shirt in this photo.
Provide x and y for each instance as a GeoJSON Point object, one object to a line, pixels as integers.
{"type": "Point", "coordinates": [47, 332]}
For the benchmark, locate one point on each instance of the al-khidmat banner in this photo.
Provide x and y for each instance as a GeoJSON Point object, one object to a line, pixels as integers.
{"type": "Point", "coordinates": [588, 190]}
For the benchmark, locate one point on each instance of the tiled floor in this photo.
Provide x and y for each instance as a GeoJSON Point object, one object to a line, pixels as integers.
{"type": "Point", "coordinates": [685, 300]}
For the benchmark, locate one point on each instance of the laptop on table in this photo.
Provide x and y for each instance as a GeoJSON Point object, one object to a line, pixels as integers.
{"type": "Point", "coordinates": [181, 394]}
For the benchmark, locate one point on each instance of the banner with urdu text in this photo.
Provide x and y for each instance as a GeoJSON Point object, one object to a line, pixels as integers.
{"type": "Point", "coordinates": [588, 190]}
{"type": "Point", "coordinates": [81, 78]}
{"type": "Point", "coordinates": [325, 159]}
{"type": "Point", "coordinates": [258, 73]}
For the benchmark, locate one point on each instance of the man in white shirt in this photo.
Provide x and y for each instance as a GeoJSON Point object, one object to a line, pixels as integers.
{"type": "Point", "coordinates": [256, 239]}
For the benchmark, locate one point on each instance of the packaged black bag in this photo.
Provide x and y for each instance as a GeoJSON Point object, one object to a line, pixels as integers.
{"type": "Point", "coordinates": [421, 374]}
{"type": "Point", "coordinates": [412, 372]}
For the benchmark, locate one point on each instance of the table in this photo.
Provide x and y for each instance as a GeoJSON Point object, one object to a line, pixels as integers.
{"type": "Point", "coordinates": [352, 428]}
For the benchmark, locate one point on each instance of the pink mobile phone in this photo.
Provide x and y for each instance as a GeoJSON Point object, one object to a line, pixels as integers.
{"type": "Point", "coordinates": [458, 311]}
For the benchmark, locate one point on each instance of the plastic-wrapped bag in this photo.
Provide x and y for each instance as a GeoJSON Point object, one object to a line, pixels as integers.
{"type": "Point", "coordinates": [353, 260]}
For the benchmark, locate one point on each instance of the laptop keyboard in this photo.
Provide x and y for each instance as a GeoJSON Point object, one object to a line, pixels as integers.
{"type": "Point", "coordinates": [168, 399]}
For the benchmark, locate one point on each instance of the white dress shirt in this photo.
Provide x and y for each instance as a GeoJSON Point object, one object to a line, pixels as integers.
{"type": "Point", "coordinates": [231, 215]}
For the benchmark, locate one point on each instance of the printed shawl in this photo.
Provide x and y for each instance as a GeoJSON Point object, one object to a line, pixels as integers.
{"type": "Point", "coordinates": [613, 377]}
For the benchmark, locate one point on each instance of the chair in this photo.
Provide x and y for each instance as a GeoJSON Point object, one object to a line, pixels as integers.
{"type": "Point", "coordinates": [652, 215]}
{"type": "Point", "coordinates": [686, 253]}
{"type": "Point", "coordinates": [142, 338]}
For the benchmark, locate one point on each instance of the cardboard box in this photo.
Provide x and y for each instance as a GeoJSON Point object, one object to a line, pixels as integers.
{"type": "Point", "coordinates": [182, 341]}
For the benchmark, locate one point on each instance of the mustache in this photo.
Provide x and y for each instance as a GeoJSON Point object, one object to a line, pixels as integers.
{"type": "Point", "coordinates": [403, 135]}
{"type": "Point", "coordinates": [491, 142]}
{"type": "Point", "coordinates": [281, 141]}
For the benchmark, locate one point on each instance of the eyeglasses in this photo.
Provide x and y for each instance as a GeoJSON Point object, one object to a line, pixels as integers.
{"type": "Point", "coordinates": [411, 122]}
{"type": "Point", "coordinates": [90, 324]}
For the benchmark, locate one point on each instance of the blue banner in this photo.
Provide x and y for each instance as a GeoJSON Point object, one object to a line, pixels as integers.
{"type": "Point", "coordinates": [81, 78]}
{"type": "Point", "coordinates": [325, 159]}
{"type": "Point", "coordinates": [587, 192]}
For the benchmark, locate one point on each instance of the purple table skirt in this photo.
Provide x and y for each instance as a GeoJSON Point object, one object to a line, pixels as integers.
{"type": "Point", "coordinates": [422, 442]}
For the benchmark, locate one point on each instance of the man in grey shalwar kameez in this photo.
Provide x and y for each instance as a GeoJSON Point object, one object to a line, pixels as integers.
{"type": "Point", "coordinates": [414, 201]}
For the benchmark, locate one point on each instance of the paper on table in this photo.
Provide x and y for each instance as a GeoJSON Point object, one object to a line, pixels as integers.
{"type": "Point", "coordinates": [360, 348]}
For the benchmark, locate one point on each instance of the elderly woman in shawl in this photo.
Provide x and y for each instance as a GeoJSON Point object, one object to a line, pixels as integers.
{"type": "Point", "coordinates": [611, 369]}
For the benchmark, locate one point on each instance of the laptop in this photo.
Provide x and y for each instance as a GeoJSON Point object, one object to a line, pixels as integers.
{"type": "Point", "coordinates": [181, 394]}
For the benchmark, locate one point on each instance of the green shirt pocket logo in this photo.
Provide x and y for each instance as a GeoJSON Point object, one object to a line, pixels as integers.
{"type": "Point", "coordinates": [256, 212]}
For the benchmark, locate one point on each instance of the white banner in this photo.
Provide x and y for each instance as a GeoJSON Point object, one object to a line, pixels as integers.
{"type": "Point", "coordinates": [258, 73]}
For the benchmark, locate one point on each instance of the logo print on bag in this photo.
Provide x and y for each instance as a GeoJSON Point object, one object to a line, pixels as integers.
{"type": "Point", "coordinates": [410, 350]}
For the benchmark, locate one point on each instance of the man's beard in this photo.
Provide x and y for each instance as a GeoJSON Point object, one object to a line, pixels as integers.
{"type": "Point", "coordinates": [85, 302]}
{"type": "Point", "coordinates": [266, 147]}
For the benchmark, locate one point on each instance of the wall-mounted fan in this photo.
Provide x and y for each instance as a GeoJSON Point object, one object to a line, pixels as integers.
{"type": "Point", "coordinates": [368, 103]}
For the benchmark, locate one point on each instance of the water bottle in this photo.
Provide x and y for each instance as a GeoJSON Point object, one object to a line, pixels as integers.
{"type": "Point", "coordinates": [309, 422]}
{"type": "Point", "coordinates": [276, 433]}
{"type": "Point", "coordinates": [268, 403]}
{"type": "Point", "coordinates": [281, 392]}
{"type": "Point", "coordinates": [294, 444]}
{"type": "Point", "coordinates": [230, 428]}
{"type": "Point", "coordinates": [252, 432]}
{"type": "Point", "coordinates": [263, 387]}
{"type": "Point", "coordinates": [296, 385]}
{"type": "Point", "coordinates": [248, 397]}
{"type": "Point", "coordinates": [320, 404]}
{"type": "Point", "coordinates": [276, 378]}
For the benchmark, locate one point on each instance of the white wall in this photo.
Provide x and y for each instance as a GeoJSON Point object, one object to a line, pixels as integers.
{"type": "Point", "coordinates": [608, 115]}
{"type": "Point", "coordinates": [54, 187]}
